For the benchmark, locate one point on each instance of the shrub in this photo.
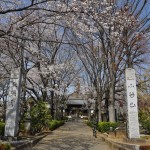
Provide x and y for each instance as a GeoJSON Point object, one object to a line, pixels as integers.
{"type": "Point", "coordinates": [144, 119]}
{"type": "Point", "coordinates": [55, 124]}
{"type": "Point", "coordinates": [146, 125]}
{"type": "Point", "coordinates": [144, 114]}
{"type": "Point", "coordinates": [2, 128]}
{"type": "Point", "coordinates": [65, 118]}
{"type": "Point", "coordinates": [5, 146]}
{"type": "Point", "coordinates": [22, 126]}
{"type": "Point", "coordinates": [105, 126]}
{"type": "Point", "coordinates": [89, 123]}
{"type": "Point", "coordinates": [114, 125]}
{"type": "Point", "coordinates": [40, 117]}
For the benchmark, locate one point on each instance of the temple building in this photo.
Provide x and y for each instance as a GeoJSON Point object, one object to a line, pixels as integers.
{"type": "Point", "coordinates": [79, 105]}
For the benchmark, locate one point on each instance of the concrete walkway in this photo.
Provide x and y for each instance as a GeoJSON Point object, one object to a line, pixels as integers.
{"type": "Point", "coordinates": [74, 135]}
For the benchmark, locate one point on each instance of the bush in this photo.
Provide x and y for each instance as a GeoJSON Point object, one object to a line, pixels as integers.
{"type": "Point", "coordinates": [54, 124]}
{"type": "Point", "coordinates": [40, 117]}
{"type": "Point", "coordinates": [144, 119]}
{"type": "Point", "coordinates": [89, 123]}
{"type": "Point", "coordinates": [143, 115]}
{"type": "Point", "coordinates": [5, 146]}
{"type": "Point", "coordinates": [65, 118]}
{"type": "Point", "coordinates": [22, 126]}
{"type": "Point", "coordinates": [2, 128]}
{"type": "Point", "coordinates": [105, 126]}
{"type": "Point", "coordinates": [146, 125]}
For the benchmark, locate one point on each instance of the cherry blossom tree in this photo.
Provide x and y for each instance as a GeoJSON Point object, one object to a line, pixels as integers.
{"type": "Point", "coordinates": [122, 32]}
{"type": "Point", "coordinates": [108, 36]}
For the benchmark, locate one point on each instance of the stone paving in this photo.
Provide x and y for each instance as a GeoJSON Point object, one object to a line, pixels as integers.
{"type": "Point", "coordinates": [74, 135]}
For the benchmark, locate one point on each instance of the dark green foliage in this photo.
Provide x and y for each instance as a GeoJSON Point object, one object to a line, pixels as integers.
{"type": "Point", "coordinates": [105, 126]}
{"type": "Point", "coordinates": [22, 126]}
{"type": "Point", "coordinates": [2, 128]}
{"type": "Point", "coordinates": [143, 115]}
{"type": "Point", "coordinates": [40, 117]}
{"type": "Point", "coordinates": [146, 125]}
{"type": "Point", "coordinates": [5, 146]}
{"type": "Point", "coordinates": [89, 123]}
{"type": "Point", "coordinates": [144, 119]}
{"type": "Point", "coordinates": [65, 118]}
{"type": "Point", "coordinates": [54, 124]}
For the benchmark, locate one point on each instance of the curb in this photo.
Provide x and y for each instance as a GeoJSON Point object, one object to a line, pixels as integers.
{"type": "Point", "coordinates": [124, 146]}
{"type": "Point", "coordinates": [119, 146]}
{"type": "Point", "coordinates": [26, 144]}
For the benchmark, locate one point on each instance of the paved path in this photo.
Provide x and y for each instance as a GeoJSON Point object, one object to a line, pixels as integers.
{"type": "Point", "coordinates": [71, 136]}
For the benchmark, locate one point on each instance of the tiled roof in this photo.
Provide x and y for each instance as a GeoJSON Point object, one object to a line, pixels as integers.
{"type": "Point", "coordinates": [77, 102]}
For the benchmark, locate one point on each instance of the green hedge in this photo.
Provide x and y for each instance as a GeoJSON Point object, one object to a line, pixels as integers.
{"type": "Point", "coordinates": [55, 124]}
{"type": "Point", "coordinates": [2, 128]}
{"type": "Point", "coordinates": [89, 123]}
{"type": "Point", "coordinates": [105, 126]}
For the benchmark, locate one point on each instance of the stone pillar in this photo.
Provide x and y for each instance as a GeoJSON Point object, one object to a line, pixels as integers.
{"type": "Point", "coordinates": [12, 105]}
{"type": "Point", "coordinates": [132, 108]}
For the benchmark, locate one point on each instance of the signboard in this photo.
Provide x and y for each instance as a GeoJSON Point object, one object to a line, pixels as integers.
{"type": "Point", "coordinates": [12, 105]}
{"type": "Point", "coordinates": [133, 123]}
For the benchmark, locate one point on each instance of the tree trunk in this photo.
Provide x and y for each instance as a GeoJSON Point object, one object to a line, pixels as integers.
{"type": "Point", "coordinates": [111, 103]}
{"type": "Point", "coordinates": [112, 72]}
{"type": "Point", "coordinates": [107, 105]}
{"type": "Point", "coordinates": [52, 104]}
{"type": "Point", "coordinates": [99, 114]}
{"type": "Point", "coordinates": [99, 99]}
{"type": "Point", "coordinates": [62, 113]}
{"type": "Point", "coordinates": [89, 114]}
{"type": "Point", "coordinates": [96, 110]}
